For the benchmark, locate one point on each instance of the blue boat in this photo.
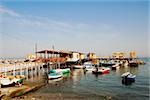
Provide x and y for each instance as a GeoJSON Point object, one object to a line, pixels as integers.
{"type": "Point", "coordinates": [128, 78]}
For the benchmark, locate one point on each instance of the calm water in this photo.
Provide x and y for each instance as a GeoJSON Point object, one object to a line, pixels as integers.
{"type": "Point", "coordinates": [85, 85]}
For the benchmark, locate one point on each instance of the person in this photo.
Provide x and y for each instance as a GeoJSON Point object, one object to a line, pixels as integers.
{"type": "Point", "coordinates": [96, 68]}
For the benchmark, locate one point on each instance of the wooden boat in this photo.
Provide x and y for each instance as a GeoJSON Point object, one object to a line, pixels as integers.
{"type": "Point", "coordinates": [101, 70]}
{"type": "Point", "coordinates": [54, 75]}
{"type": "Point", "coordinates": [128, 77]}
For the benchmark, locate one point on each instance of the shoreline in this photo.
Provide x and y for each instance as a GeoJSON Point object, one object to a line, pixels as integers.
{"type": "Point", "coordinates": [13, 92]}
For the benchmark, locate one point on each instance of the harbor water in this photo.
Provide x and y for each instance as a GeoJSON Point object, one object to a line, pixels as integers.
{"type": "Point", "coordinates": [83, 85]}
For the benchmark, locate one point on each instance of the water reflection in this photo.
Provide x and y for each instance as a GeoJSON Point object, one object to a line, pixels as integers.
{"type": "Point", "coordinates": [133, 70]}
{"type": "Point", "coordinates": [76, 75]}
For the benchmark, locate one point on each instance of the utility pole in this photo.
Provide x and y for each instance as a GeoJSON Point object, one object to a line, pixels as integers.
{"type": "Point", "coordinates": [36, 50]}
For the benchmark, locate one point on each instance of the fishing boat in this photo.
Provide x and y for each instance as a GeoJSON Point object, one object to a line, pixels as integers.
{"type": "Point", "coordinates": [128, 77]}
{"type": "Point", "coordinates": [6, 82]}
{"type": "Point", "coordinates": [101, 70]}
{"type": "Point", "coordinates": [133, 63]}
{"type": "Point", "coordinates": [63, 71]}
{"type": "Point", "coordinates": [89, 66]}
{"type": "Point", "coordinates": [106, 64]}
{"type": "Point", "coordinates": [116, 66]}
{"type": "Point", "coordinates": [11, 80]}
{"type": "Point", "coordinates": [54, 75]}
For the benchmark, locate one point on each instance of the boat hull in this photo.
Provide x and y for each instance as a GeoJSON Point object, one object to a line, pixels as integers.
{"type": "Point", "coordinates": [78, 67]}
{"type": "Point", "coordinates": [106, 64]}
{"type": "Point", "coordinates": [128, 78]}
{"type": "Point", "coordinates": [101, 71]}
{"type": "Point", "coordinates": [133, 64]}
{"type": "Point", "coordinates": [52, 76]}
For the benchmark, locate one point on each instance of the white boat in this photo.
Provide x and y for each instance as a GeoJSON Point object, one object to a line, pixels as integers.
{"type": "Point", "coordinates": [7, 82]}
{"type": "Point", "coordinates": [125, 74]}
{"type": "Point", "coordinates": [54, 75]}
{"type": "Point", "coordinates": [116, 66]}
{"type": "Point", "coordinates": [11, 80]}
{"type": "Point", "coordinates": [78, 66]}
{"type": "Point", "coordinates": [89, 66]}
{"type": "Point", "coordinates": [55, 80]}
{"type": "Point", "coordinates": [126, 64]}
{"type": "Point", "coordinates": [128, 74]}
{"type": "Point", "coordinates": [128, 77]}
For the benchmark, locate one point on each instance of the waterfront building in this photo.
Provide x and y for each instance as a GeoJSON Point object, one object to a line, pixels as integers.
{"type": "Point", "coordinates": [75, 56]}
{"type": "Point", "coordinates": [133, 54]}
{"type": "Point", "coordinates": [119, 55]}
{"type": "Point", "coordinates": [31, 56]}
{"type": "Point", "coordinates": [91, 56]}
{"type": "Point", "coordinates": [60, 56]}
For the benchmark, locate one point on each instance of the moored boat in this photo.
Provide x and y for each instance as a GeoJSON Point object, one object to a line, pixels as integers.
{"type": "Point", "coordinates": [128, 78]}
{"type": "Point", "coordinates": [116, 66]}
{"type": "Point", "coordinates": [6, 82]}
{"type": "Point", "coordinates": [107, 63]}
{"type": "Point", "coordinates": [54, 75]}
{"type": "Point", "coordinates": [133, 63]}
{"type": "Point", "coordinates": [63, 71]}
{"type": "Point", "coordinates": [101, 70]}
{"type": "Point", "coordinates": [12, 80]}
{"type": "Point", "coordinates": [89, 66]}
{"type": "Point", "coordinates": [78, 66]}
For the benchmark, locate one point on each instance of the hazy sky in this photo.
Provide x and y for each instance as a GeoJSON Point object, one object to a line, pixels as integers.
{"type": "Point", "coordinates": [102, 27]}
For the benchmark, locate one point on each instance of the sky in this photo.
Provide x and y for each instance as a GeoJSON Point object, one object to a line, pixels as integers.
{"type": "Point", "coordinates": [101, 26]}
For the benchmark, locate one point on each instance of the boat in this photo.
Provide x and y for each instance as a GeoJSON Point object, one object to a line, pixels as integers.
{"type": "Point", "coordinates": [128, 77]}
{"type": "Point", "coordinates": [55, 80]}
{"type": "Point", "coordinates": [133, 63]}
{"type": "Point", "coordinates": [89, 66]}
{"type": "Point", "coordinates": [6, 82]}
{"type": "Point", "coordinates": [11, 81]}
{"type": "Point", "coordinates": [78, 66]}
{"type": "Point", "coordinates": [54, 75]}
{"type": "Point", "coordinates": [116, 66]}
{"type": "Point", "coordinates": [101, 70]}
{"type": "Point", "coordinates": [66, 70]}
{"type": "Point", "coordinates": [106, 64]}
{"type": "Point", "coordinates": [126, 64]}
{"type": "Point", "coordinates": [63, 71]}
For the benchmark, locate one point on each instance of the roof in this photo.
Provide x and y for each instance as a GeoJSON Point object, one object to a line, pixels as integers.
{"type": "Point", "coordinates": [53, 52]}
{"type": "Point", "coordinates": [58, 52]}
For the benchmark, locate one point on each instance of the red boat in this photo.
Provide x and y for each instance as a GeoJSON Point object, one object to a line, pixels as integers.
{"type": "Point", "coordinates": [101, 70]}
